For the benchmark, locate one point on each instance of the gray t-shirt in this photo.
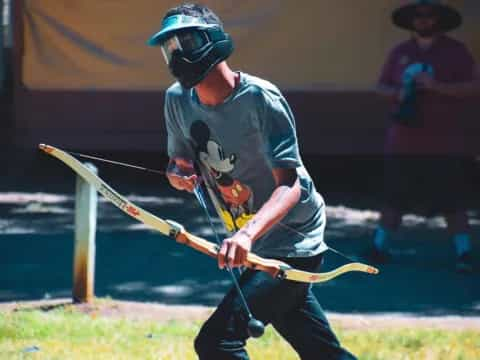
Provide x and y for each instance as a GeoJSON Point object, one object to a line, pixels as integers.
{"type": "Point", "coordinates": [236, 145]}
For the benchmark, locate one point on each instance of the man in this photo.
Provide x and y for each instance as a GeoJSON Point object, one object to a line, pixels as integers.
{"type": "Point", "coordinates": [426, 78]}
{"type": "Point", "coordinates": [237, 133]}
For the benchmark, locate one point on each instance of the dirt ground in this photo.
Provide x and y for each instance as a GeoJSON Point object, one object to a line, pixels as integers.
{"type": "Point", "coordinates": [163, 313]}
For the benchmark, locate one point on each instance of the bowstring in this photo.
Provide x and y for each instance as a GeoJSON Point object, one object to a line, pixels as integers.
{"type": "Point", "coordinates": [201, 199]}
{"type": "Point", "coordinates": [161, 172]}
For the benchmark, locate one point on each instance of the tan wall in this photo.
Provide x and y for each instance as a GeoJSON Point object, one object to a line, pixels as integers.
{"type": "Point", "coordinates": [306, 45]}
{"type": "Point", "coordinates": [67, 50]}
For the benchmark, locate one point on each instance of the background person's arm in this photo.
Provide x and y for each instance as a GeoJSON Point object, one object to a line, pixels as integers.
{"type": "Point", "coordinates": [458, 89]}
{"type": "Point", "coordinates": [386, 86]}
{"type": "Point", "coordinates": [389, 92]}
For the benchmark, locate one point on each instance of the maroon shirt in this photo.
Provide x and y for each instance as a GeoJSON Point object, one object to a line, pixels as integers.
{"type": "Point", "coordinates": [441, 130]}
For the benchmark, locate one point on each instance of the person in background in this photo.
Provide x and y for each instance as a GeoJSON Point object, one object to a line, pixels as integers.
{"type": "Point", "coordinates": [427, 79]}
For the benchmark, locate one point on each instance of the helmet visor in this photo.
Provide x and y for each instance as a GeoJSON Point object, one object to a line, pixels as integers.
{"type": "Point", "coordinates": [187, 43]}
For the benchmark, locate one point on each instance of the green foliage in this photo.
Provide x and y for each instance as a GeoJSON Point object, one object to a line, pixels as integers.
{"type": "Point", "coordinates": [65, 333]}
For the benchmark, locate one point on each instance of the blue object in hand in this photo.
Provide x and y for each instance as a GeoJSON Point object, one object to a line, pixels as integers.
{"type": "Point", "coordinates": [407, 113]}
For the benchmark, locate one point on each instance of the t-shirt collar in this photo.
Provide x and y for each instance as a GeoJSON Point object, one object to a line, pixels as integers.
{"type": "Point", "coordinates": [238, 85]}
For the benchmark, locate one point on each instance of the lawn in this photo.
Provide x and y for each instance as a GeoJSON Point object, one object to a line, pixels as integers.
{"type": "Point", "coordinates": [66, 333]}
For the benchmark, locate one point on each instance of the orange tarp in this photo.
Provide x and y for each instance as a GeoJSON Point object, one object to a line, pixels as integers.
{"type": "Point", "coordinates": [308, 44]}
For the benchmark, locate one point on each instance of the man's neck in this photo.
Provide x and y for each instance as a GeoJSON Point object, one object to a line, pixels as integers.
{"type": "Point", "coordinates": [425, 43]}
{"type": "Point", "coordinates": [217, 86]}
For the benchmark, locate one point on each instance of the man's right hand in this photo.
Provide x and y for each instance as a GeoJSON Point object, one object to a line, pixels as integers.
{"type": "Point", "coordinates": [181, 174]}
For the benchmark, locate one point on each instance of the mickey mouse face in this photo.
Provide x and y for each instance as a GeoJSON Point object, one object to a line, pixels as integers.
{"type": "Point", "coordinates": [216, 159]}
{"type": "Point", "coordinates": [210, 152]}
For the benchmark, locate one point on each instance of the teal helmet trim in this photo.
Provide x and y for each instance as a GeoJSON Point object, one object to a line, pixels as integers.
{"type": "Point", "coordinates": [191, 67]}
{"type": "Point", "coordinates": [175, 23]}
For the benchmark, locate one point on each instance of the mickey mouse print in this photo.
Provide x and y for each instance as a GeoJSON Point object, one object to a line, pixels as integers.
{"type": "Point", "coordinates": [234, 199]}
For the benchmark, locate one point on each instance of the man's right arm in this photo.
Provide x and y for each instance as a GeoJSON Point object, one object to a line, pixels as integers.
{"type": "Point", "coordinates": [180, 171]}
{"type": "Point", "coordinates": [181, 174]}
{"type": "Point", "coordinates": [388, 91]}
{"type": "Point", "coordinates": [385, 85]}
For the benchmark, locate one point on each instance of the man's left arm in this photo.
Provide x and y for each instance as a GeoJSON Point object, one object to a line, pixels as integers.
{"type": "Point", "coordinates": [277, 126]}
{"type": "Point", "coordinates": [457, 89]}
{"type": "Point", "coordinates": [287, 193]}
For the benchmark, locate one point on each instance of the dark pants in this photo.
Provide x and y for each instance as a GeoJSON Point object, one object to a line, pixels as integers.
{"type": "Point", "coordinates": [432, 183]}
{"type": "Point", "coordinates": [289, 306]}
{"type": "Point", "coordinates": [428, 184]}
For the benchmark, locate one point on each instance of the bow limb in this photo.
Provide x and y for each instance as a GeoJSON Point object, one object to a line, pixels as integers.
{"type": "Point", "coordinates": [304, 276]}
{"type": "Point", "coordinates": [174, 230]}
{"type": "Point", "coordinates": [166, 227]}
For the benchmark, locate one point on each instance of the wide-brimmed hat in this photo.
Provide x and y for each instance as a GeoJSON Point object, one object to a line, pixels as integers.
{"type": "Point", "coordinates": [448, 17]}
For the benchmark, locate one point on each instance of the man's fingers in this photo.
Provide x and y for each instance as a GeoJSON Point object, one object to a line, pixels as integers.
{"type": "Point", "coordinates": [222, 254]}
{"type": "Point", "coordinates": [192, 179]}
{"type": "Point", "coordinates": [178, 184]}
{"type": "Point", "coordinates": [175, 183]}
{"type": "Point", "coordinates": [190, 183]}
{"type": "Point", "coordinates": [242, 256]}
{"type": "Point", "coordinates": [239, 257]}
{"type": "Point", "coordinates": [182, 182]}
{"type": "Point", "coordinates": [231, 254]}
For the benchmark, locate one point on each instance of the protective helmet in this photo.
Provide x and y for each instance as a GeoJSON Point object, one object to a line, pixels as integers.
{"type": "Point", "coordinates": [191, 47]}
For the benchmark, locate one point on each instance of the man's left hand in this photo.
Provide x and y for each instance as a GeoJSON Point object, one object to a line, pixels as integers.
{"type": "Point", "coordinates": [234, 250]}
{"type": "Point", "coordinates": [425, 81]}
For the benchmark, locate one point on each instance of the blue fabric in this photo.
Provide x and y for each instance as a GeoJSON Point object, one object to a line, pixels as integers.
{"type": "Point", "coordinates": [237, 144]}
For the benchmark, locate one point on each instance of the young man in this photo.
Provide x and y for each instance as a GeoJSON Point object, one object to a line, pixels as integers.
{"type": "Point", "coordinates": [237, 133]}
{"type": "Point", "coordinates": [426, 78]}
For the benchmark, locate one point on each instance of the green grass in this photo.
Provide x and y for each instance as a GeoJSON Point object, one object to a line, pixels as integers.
{"type": "Point", "coordinates": [64, 333]}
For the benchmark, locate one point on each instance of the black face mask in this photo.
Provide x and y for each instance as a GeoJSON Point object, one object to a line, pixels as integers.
{"type": "Point", "coordinates": [192, 55]}
{"type": "Point", "coordinates": [188, 74]}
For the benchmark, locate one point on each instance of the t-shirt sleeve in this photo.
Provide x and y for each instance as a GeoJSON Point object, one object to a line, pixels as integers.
{"type": "Point", "coordinates": [177, 144]}
{"type": "Point", "coordinates": [279, 133]}
{"type": "Point", "coordinates": [386, 74]}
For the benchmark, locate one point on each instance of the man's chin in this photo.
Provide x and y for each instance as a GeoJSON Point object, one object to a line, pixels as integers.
{"type": "Point", "coordinates": [426, 34]}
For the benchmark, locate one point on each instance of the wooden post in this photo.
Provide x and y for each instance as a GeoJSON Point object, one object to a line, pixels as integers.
{"type": "Point", "coordinates": [85, 228]}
